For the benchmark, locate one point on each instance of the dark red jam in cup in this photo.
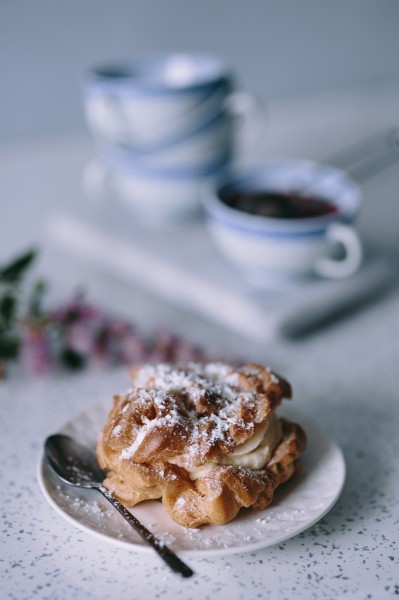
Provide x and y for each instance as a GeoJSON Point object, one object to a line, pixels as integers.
{"type": "Point", "coordinates": [278, 205]}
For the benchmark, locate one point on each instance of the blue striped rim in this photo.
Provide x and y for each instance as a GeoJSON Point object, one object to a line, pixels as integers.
{"type": "Point", "coordinates": [127, 153]}
{"type": "Point", "coordinates": [130, 87]}
{"type": "Point", "coordinates": [151, 75]}
{"type": "Point", "coordinates": [317, 177]}
{"type": "Point", "coordinates": [277, 175]}
{"type": "Point", "coordinates": [269, 231]}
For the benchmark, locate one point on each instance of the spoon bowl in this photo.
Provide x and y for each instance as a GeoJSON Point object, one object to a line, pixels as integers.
{"type": "Point", "coordinates": [76, 465]}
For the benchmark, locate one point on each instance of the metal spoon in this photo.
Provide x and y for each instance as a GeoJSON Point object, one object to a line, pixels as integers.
{"type": "Point", "coordinates": [76, 465]}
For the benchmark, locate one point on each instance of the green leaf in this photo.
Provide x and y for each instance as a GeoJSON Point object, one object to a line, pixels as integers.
{"type": "Point", "coordinates": [9, 347]}
{"type": "Point", "coordinates": [13, 271]}
{"type": "Point", "coordinates": [8, 304]}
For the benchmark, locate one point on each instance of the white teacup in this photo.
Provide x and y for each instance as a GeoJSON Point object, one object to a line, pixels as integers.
{"type": "Point", "coordinates": [153, 102]}
{"type": "Point", "coordinates": [162, 125]}
{"type": "Point", "coordinates": [153, 197]}
{"type": "Point", "coordinates": [273, 249]}
{"type": "Point", "coordinates": [214, 143]}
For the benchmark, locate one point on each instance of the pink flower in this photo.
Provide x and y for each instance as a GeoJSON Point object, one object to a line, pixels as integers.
{"type": "Point", "coordinates": [35, 349]}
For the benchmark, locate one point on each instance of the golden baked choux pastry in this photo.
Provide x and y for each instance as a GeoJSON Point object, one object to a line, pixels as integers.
{"type": "Point", "coordinates": [203, 438]}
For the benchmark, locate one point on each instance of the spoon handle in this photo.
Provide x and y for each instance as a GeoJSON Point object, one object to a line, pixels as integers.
{"type": "Point", "coordinates": [173, 561]}
{"type": "Point", "coordinates": [367, 157]}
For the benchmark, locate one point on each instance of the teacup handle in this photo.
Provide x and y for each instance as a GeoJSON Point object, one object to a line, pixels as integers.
{"type": "Point", "coordinates": [247, 108]}
{"type": "Point", "coordinates": [241, 104]}
{"type": "Point", "coordinates": [345, 236]}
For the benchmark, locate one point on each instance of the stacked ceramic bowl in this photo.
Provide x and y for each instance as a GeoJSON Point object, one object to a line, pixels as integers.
{"type": "Point", "coordinates": [161, 125]}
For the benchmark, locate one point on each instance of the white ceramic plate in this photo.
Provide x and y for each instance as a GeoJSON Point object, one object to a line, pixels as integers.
{"type": "Point", "coordinates": [297, 505]}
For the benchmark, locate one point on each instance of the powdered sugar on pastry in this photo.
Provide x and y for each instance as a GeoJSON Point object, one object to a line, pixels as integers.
{"type": "Point", "coordinates": [210, 409]}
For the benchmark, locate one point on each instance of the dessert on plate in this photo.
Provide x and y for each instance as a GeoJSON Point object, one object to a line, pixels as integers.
{"type": "Point", "coordinates": [203, 438]}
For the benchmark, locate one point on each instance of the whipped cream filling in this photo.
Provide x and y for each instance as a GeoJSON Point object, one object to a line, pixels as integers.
{"type": "Point", "coordinates": [252, 454]}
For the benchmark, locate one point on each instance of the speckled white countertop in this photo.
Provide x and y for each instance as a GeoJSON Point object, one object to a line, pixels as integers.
{"type": "Point", "coordinates": [344, 377]}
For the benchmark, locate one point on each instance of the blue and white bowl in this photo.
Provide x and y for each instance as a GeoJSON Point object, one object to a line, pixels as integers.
{"type": "Point", "coordinates": [268, 249]}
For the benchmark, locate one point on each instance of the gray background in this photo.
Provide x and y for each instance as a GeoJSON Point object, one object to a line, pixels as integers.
{"type": "Point", "coordinates": [278, 48]}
